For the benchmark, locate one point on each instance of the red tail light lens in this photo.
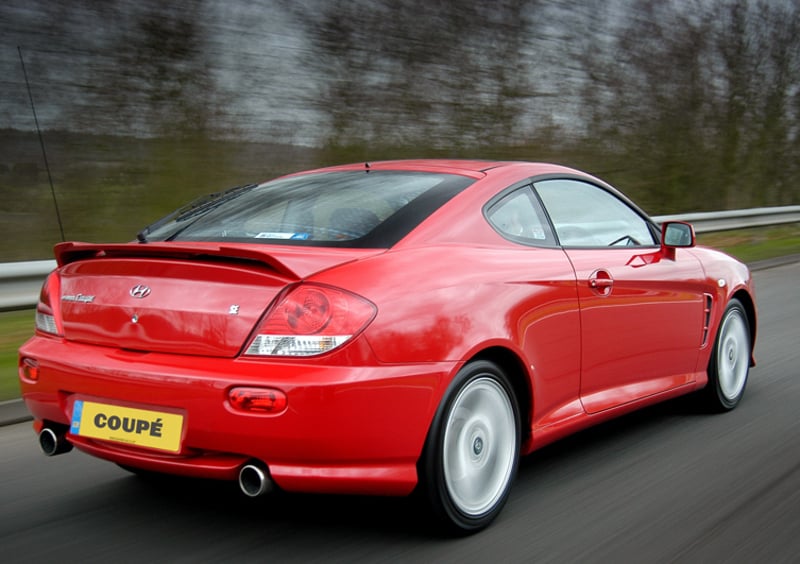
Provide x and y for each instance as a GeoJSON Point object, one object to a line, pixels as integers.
{"type": "Point", "coordinates": [311, 319]}
{"type": "Point", "coordinates": [47, 310]}
{"type": "Point", "coordinates": [308, 311]}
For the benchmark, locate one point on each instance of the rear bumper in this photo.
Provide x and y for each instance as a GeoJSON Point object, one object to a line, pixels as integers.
{"type": "Point", "coordinates": [346, 429]}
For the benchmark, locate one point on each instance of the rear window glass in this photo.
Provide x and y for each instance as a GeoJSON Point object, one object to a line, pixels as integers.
{"type": "Point", "coordinates": [344, 209]}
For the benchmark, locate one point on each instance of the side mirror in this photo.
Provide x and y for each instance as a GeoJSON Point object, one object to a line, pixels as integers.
{"type": "Point", "coordinates": [675, 234]}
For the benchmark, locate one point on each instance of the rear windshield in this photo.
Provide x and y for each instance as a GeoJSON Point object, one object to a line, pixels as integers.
{"type": "Point", "coordinates": [342, 209]}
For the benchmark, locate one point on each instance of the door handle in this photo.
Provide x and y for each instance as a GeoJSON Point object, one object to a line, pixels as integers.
{"type": "Point", "coordinates": [601, 282]}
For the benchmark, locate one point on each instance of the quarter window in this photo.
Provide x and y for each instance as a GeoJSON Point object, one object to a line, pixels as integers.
{"type": "Point", "coordinates": [518, 217]}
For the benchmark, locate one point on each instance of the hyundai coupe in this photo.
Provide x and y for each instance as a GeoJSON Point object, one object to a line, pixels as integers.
{"type": "Point", "coordinates": [382, 328]}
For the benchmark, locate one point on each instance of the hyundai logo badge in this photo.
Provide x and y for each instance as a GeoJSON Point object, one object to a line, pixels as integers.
{"type": "Point", "coordinates": [140, 291]}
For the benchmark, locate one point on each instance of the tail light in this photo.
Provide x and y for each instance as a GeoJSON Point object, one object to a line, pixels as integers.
{"type": "Point", "coordinates": [311, 319]}
{"type": "Point", "coordinates": [48, 309]}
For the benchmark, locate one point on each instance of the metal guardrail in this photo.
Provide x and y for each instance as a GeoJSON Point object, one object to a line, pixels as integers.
{"type": "Point", "coordinates": [707, 222]}
{"type": "Point", "coordinates": [20, 282]}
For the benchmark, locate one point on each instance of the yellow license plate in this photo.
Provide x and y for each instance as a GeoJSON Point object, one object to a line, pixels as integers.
{"type": "Point", "coordinates": [138, 427]}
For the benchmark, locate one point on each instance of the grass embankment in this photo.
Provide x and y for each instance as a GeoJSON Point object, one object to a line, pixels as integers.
{"type": "Point", "coordinates": [748, 245]}
{"type": "Point", "coordinates": [751, 245]}
{"type": "Point", "coordinates": [15, 328]}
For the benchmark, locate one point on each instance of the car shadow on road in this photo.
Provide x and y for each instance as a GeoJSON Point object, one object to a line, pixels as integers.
{"type": "Point", "coordinates": [224, 504]}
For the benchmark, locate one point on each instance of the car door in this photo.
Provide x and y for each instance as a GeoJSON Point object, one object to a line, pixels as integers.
{"type": "Point", "coordinates": [642, 314]}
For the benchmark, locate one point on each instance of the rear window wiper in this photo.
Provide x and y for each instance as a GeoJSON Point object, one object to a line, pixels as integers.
{"type": "Point", "coordinates": [194, 208]}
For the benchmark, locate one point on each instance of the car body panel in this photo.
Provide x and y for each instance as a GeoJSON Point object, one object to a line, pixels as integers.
{"type": "Point", "coordinates": [172, 306]}
{"type": "Point", "coordinates": [322, 431]}
{"type": "Point", "coordinates": [651, 342]}
{"type": "Point", "coordinates": [535, 287]}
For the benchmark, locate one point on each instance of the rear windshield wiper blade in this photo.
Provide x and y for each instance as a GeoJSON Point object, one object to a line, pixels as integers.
{"type": "Point", "coordinates": [194, 208]}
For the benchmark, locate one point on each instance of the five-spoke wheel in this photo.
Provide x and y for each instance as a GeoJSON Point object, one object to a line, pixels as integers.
{"type": "Point", "coordinates": [730, 359]}
{"type": "Point", "coordinates": [472, 451]}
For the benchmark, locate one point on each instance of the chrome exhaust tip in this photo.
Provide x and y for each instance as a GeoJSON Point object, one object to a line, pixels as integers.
{"type": "Point", "coordinates": [53, 442]}
{"type": "Point", "coordinates": [254, 480]}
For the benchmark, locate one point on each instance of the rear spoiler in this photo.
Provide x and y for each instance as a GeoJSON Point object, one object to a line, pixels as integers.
{"type": "Point", "coordinates": [74, 251]}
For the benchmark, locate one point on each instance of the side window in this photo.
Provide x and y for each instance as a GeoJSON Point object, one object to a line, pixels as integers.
{"type": "Point", "coordinates": [518, 217]}
{"type": "Point", "coordinates": [585, 215]}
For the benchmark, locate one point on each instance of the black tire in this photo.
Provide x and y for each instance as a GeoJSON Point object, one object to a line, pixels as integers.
{"type": "Point", "coordinates": [471, 453]}
{"type": "Point", "coordinates": [729, 365]}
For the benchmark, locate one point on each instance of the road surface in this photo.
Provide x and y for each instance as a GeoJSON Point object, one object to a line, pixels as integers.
{"type": "Point", "coordinates": [667, 484]}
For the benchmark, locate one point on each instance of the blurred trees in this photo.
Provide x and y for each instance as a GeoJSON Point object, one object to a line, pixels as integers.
{"type": "Point", "coordinates": [397, 72]}
{"type": "Point", "coordinates": [685, 105]}
{"type": "Point", "coordinates": [702, 100]}
{"type": "Point", "coordinates": [136, 68]}
{"type": "Point", "coordinates": [159, 81]}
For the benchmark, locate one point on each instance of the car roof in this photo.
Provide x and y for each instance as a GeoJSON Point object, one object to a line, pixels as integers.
{"type": "Point", "coordinates": [470, 167]}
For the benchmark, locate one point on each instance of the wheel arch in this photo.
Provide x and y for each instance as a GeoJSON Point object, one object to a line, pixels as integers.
{"type": "Point", "coordinates": [749, 306]}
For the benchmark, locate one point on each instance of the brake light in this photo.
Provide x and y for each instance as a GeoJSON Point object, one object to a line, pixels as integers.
{"type": "Point", "coordinates": [311, 319]}
{"type": "Point", "coordinates": [47, 311]}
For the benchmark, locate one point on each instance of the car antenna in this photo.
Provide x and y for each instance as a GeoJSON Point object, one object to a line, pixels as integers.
{"type": "Point", "coordinates": [41, 142]}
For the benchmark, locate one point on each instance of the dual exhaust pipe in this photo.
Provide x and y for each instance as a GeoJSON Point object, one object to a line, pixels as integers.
{"type": "Point", "coordinates": [254, 479]}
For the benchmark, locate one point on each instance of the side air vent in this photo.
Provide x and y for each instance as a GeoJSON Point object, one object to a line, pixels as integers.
{"type": "Point", "coordinates": [709, 300]}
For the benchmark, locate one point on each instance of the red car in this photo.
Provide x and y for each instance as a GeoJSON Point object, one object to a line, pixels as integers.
{"type": "Point", "coordinates": [377, 328]}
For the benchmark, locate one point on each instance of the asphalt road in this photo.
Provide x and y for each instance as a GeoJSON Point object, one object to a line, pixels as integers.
{"type": "Point", "coordinates": [667, 484]}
